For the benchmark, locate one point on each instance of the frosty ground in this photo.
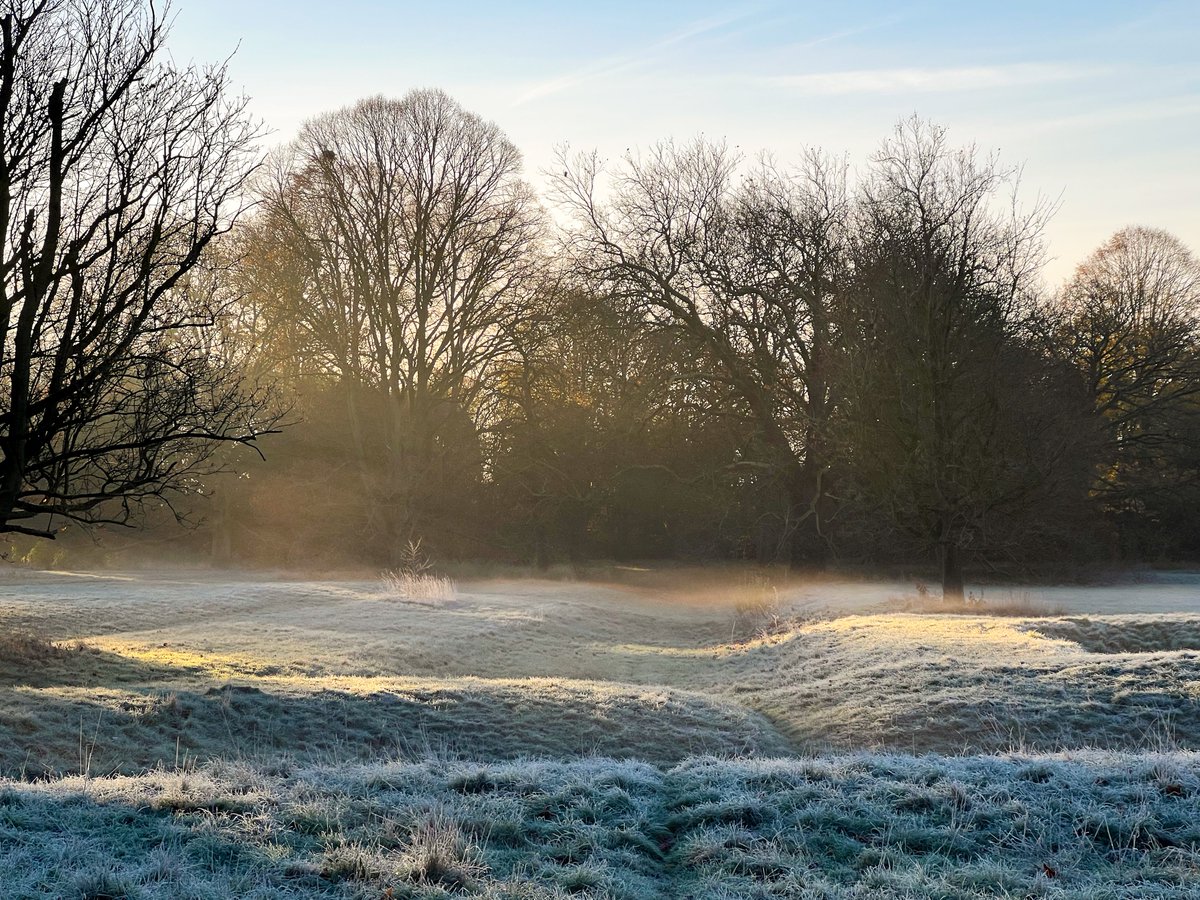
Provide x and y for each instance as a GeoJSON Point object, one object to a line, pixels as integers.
{"type": "Point", "coordinates": [694, 735]}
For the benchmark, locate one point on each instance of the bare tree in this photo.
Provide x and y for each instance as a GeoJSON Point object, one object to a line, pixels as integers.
{"type": "Point", "coordinates": [1130, 317]}
{"type": "Point", "coordinates": [1129, 320]}
{"type": "Point", "coordinates": [749, 270]}
{"type": "Point", "coordinates": [117, 171]}
{"type": "Point", "coordinates": [395, 248]}
{"type": "Point", "coordinates": [943, 428]}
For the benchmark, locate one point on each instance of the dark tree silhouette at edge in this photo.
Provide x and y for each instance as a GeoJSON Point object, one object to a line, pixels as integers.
{"type": "Point", "coordinates": [117, 171]}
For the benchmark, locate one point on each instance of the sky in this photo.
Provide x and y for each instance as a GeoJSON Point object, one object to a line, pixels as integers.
{"type": "Point", "coordinates": [1099, 102]}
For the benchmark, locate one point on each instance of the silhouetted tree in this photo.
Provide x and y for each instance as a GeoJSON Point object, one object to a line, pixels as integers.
{"type": "Point", "coordinates": [604, 445]}
{"type": "Point", "coordinates": [1129, 319]}
{"type": "Point", "coordinates": [117, 170]}
{"type": "Point", "coordinates": [943, 421]}
{"type": "Point", "coordinates": [749, 271]}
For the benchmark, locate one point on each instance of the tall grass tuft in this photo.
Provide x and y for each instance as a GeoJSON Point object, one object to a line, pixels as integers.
{"type": "Point", "coordinates": [430, 590]}
{"type": "Point", "coordinates": [415, 581]}
{"type": "Point", "coordinates": [756, 607]}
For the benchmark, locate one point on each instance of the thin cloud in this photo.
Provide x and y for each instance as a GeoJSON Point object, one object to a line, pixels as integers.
{"type": "Point", "coordinates": [1168, 108]}
{"type": "Point", "coordinates": [619, 64]}
{"type": "Point", "coordinates": [926, 80]}
{"type": "Point", "coordinates": [602, 69]}
{"type": "Point", "coordinates": [850, 32]}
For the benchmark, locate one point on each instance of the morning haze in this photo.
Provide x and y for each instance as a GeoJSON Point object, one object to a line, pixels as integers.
{"type": "Point", "coordinates": [704, 450]}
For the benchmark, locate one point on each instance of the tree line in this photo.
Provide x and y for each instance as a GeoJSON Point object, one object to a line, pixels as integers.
{"type": "Point", "coordinates": [677, 354]}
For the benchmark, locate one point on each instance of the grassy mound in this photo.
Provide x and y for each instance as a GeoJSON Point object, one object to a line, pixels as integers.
{"type": "Point", "coordinates": [1126, 634]}
{"type": "Point", "coordinates": [865, 826]}
{"type": "Point", "coordinates": [959, 684]}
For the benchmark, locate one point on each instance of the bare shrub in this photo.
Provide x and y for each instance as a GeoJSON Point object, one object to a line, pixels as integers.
{"type": "Point", "coordinates": [414, 559]}
{"type": "Point", "coordinates": [415, 581]}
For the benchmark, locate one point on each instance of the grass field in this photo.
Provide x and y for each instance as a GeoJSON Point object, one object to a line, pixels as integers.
{"type": "Point", "coordinates": [699, 736]}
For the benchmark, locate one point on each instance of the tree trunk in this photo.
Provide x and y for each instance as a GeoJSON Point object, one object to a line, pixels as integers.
{"type": "Point", "coordinates": [807, 502]}
{"type": "Point", "coordinates": [952, 576]}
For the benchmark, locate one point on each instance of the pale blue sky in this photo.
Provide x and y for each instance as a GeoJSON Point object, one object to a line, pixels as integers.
{"type": "Point", "coordinates": [1099, 100]}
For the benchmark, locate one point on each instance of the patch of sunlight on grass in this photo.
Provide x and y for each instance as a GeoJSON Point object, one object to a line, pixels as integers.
{"type": "Point", "coordinates": [651, 650]}
{"type": "Point", "coordinates": [979, 635]}
{"type": "Point", "coordinates": [187, 661]}
{"type": "Point", "coordinates": [63, 573]}
{"type": "Point", "coordinates": [718, 651]}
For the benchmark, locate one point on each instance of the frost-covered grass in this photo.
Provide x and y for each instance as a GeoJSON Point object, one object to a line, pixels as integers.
{"type": "Point", "coordinates": [104, 728]}
{"type": "Point", "coordinates": [966, 684]}
{"type": "Point", "coordinates": [142, 672]}
{"type": "Point", "coordinates": [1127, 634]}
{"type": "Point", "coordinates": [863, 826]}
{"type": "Point", "coordinates": [284, 739]}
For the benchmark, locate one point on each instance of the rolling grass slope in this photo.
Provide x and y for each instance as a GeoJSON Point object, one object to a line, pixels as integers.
{"type": "Point", "coordinates": [167, 737]}
{"type": "Point", "coordinates": [335, 671]}
{"type": "Point", "coordinates": [970, 684]}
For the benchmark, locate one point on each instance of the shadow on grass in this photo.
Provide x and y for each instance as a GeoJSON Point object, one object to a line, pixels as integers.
{"type": "Point", "coordinates": [880, 826]}
{"type": "Point", "coordinates": [114, 727]}
{"type": "Point", "coordinates": [1152, 634]}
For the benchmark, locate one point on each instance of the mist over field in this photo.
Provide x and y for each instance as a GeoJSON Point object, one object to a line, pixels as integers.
{"type": "Point", "coordinates": [381, 518]}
